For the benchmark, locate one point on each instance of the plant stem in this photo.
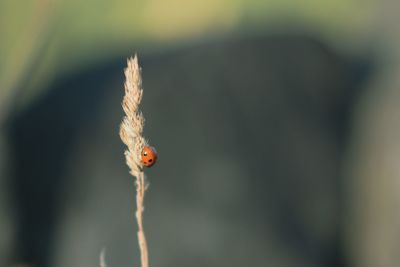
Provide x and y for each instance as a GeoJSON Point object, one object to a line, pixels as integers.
{"type": "Point", "coordinates": [140, 190]}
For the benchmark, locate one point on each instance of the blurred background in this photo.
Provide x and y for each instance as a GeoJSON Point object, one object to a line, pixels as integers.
{"type": "Point", "coordinates": [276, 124]}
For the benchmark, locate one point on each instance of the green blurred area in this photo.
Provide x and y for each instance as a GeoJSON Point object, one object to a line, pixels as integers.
{"type": "Point", "coordinates": [43, 39]}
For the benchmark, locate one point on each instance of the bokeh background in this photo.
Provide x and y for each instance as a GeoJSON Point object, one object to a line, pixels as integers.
{"type": "Point", "coordinates": [277, 125]}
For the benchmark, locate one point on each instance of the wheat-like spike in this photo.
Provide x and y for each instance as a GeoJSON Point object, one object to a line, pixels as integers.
{"type": "Point", "coordinates": [131, 133]}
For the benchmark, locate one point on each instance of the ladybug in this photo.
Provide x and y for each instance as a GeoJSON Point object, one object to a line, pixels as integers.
{"type": "Point", "coordinates": [149, 156]}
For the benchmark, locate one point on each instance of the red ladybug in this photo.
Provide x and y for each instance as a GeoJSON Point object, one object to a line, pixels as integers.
{"type": "Point", "coordinates": [149, 156]}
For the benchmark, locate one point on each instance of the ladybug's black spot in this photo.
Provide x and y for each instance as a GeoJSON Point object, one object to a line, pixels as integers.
{"type": "Point", "coordinates": [150, 160]}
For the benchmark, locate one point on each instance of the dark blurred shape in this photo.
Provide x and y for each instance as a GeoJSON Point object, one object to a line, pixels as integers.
{"type": "Point", "coordinates": [41, 137]}
{"type": "Point", "coordinates": [278, 104]}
